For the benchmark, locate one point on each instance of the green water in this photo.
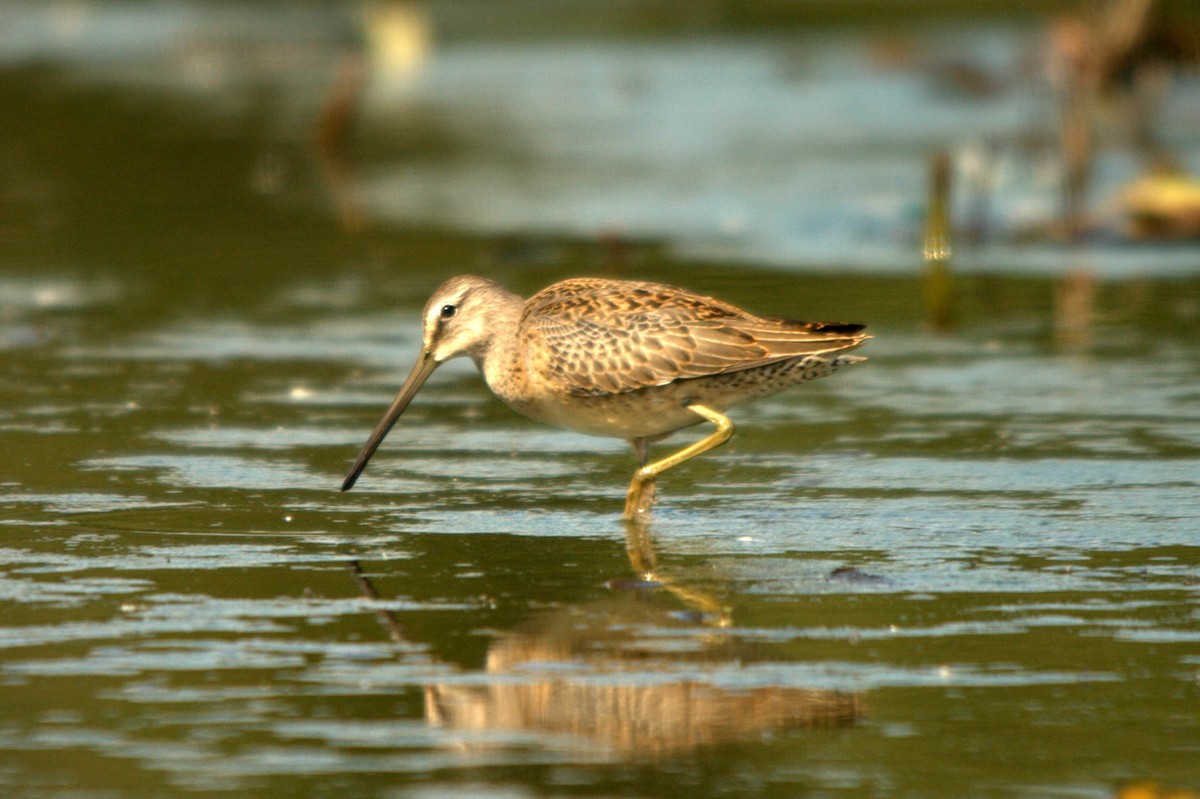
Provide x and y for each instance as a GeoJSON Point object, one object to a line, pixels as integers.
{"type": "Point", "coordinates": [190, 363]}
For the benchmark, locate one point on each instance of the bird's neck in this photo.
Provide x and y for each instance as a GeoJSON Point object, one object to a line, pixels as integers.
{"type": "Point", "coordinates": [499, 359]}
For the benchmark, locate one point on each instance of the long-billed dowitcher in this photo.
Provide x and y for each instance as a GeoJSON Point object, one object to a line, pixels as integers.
{"type": "Point", "coordinates": [618, 358]}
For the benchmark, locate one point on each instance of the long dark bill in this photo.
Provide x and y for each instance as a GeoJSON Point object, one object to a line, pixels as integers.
{"type": "Point", "coordinates": [416, 378]}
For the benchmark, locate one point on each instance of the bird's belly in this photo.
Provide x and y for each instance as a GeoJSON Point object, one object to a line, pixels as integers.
{"type": "Point", "coordinates": [628, 416]}
{"type": "Point", "coordinates": [658, 410]}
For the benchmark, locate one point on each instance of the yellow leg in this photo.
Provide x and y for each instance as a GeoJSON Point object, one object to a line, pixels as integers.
{"type": "Point", "coordinates": [641, 489]}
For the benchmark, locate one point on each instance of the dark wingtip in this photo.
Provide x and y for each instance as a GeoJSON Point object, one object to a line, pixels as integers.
{"type": "Point", "coordinates": [836, 328]}
{"type": "Point", "coordinates": [839, 327]}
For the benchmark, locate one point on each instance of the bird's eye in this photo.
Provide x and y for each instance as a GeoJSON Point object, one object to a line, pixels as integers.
{"type": "Point", "coordinates": [448, 311]}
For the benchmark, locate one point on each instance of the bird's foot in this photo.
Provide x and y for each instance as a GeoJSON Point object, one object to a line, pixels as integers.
{"type": "Point", "coordinates": [640, 498]}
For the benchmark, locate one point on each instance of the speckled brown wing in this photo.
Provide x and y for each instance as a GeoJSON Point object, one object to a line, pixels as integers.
{"type": "Point", "coordinates": [593, 337]}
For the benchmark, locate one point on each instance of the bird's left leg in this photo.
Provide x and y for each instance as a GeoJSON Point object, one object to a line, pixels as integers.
{"type": "Point", "coordinates": [641, 450]}
{"type": "Point", "coordinates": [641, 488]}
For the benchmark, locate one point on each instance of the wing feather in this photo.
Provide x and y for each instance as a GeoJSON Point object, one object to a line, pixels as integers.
{"type": "Point", "coordinates": [592, 336]}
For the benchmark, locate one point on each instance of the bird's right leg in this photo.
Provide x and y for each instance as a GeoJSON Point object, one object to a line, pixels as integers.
{"type": "Point", "coordinates": [641, 488]}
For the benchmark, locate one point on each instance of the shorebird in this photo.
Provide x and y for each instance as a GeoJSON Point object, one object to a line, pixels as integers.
{"type": "Point", "coordinates": [619, 358]}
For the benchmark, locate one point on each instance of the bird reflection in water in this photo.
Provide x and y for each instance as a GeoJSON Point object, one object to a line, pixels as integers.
{"type": "Point", "coordinates": [587, 677]}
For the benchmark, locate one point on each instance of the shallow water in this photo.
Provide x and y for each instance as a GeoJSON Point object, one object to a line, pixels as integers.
{"type": "Point", "coordinates": [966, 567]}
